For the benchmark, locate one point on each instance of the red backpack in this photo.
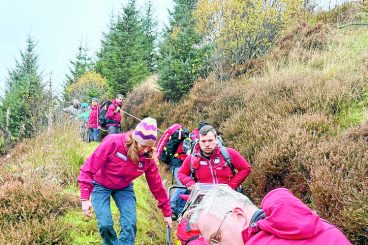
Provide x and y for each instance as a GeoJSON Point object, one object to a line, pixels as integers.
{"type": "Point", "coordinates": [170, 141]}
{"type": "Point", "coordinates": [185, 233]}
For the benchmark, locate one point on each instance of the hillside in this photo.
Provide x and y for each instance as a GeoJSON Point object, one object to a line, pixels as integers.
{"type": "Point", "coordinates": [298, 114]}
{"type": "Point", "coordinates": [39, 195]}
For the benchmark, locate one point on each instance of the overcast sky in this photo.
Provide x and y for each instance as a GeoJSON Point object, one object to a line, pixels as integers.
{"type": "Point", "coordinates": [59, 27]}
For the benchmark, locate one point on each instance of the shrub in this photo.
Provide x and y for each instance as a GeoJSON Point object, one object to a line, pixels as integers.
{"type": "Point", "coordinates": [34, 231]}
{"type": "Point", "coordinates": [30, 197]}
{"type": "Point", "coordinates": [345, 13]}
{"type": "Point", "coordinates": [90, 85]}
{"type": "Point", "coordinates": [339, 183]}
{"type": "Point", "coordinates": [29, 209]}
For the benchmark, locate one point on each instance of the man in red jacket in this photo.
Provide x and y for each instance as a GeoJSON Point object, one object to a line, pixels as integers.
{"type": "Point", "coordinates": [228, 217]}
{"type": "Point", "coordinates": [208, 165]}
{"type": "Point", "coordinates": [113, 116]}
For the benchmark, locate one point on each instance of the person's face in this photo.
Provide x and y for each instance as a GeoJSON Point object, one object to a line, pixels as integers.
{"type": "Point", "coordinates": [207, 143]}
{"type": "Point", "coordinates": [224, 231]}
{"type": "Point", "coordinates": [94, 103]}
{"type": "Point", "coordinates": [142, 149]}
{"type": "Point", "coordinates": [119, 100]}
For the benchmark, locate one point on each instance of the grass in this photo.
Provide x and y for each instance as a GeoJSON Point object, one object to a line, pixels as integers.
{"type": "Point", "coordinates": [85, 229]}
{"type": "Point", "coordinates": [150, 226]}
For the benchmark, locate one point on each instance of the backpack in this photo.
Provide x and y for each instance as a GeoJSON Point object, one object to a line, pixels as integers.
{"type": "Point", "coordinates": [185, 233]}
{"type": "Point", "coordinates": [170, 141]}
{"type": "Point", "coordinates": [102, 117]}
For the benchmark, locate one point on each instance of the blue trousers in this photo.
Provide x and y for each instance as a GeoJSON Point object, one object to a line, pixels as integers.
{"type": "Point", "coordinates": [113, 129]}
{"type": "Point", "coordinates": [94, 134]}
{"type": "Point", "coordinates": [177, 204]}
{"type": "Point", "coordinates": [126, 203]}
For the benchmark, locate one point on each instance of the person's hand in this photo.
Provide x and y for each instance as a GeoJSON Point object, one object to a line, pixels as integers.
{"type": "Point", "coordinates": [168, 221]}
{"type": "Point", "coordinates": [190, 188]}
{"type": "Point", "coordinates": [87, 208]}
{"type": "Point", "coordinates": [117, 109]}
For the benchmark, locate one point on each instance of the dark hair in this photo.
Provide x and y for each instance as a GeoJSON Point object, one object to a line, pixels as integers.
{"type": "Point", "coordinates": [201, 124]}
{"type": "Point", "coordinates": [206, 129]}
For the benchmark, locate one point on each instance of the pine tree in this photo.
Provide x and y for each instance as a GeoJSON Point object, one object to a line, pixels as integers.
{"type": "Point", "coordinates": [24, 95]}
{"type": "Point", "coordinates": [82, 64]}
{"type": "Point", "coordinates": [181, 56]}
{"type": "Point", "coordinates": [150, 33]}
{"type": "Point", "coordinates": [122, 58]}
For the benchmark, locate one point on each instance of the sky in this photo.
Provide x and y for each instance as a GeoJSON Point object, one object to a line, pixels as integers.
{"type": "Point", "coordinates": [59, 27]}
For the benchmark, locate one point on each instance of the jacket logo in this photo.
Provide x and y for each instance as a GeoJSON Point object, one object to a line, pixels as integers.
{"type": "Point", "coordinates": [217, 160]}
{"type": "Point", "coordinates": [122, 156]}
{"type": "Point", "coordinates": [202, 163]}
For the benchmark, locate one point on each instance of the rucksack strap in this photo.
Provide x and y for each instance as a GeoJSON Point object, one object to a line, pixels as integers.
{"type": "Point", "coordinates": [227, 158]}
{"type": "Point", "coordinates": [224, 152]}
{"type": "Point", "coordinates": [192, 170]}
{"type": "Point", "coordinates": [192, 239]}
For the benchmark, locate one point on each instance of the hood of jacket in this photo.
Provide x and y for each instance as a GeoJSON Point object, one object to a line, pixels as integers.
{"type": "Point", "coordinates": [288, 217]}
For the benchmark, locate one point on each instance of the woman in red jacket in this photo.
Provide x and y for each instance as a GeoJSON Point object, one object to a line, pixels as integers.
{"type": "Point", "coordinates": [109, 172]}
{"type": "Point", "coordinates": [93, 124]}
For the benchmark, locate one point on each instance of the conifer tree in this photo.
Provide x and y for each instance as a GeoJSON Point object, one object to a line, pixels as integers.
{"type": "Point", "coordinates": [181, 54]}
{"type": "Point", "coordinates": [24, 97]}
{"type": "Point", "coordinates": [122, 58]}
{"type": "Point", "coordinates": [150, 33]}
{"type": "Point", "coordinates": [82, 64]}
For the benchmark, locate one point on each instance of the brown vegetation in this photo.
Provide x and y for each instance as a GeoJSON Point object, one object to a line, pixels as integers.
{"type": "Point", "coordinates": [32, 178]}
{"type": "Point", "coordinates": [285, 119]}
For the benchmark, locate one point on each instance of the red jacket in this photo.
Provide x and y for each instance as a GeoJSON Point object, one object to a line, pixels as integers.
{"type": "Point", "coordinates": [113, 118]}
{"type": "Point", "coordinates": [214, 170]}
{"type": "Point", "coordinates": [289, 221]}
{"type": "Point", "coordinates": [94, 113]}
{"type": "Point", "coordinates": [109, 166]}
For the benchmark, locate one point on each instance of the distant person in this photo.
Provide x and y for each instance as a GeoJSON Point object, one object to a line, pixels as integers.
{"type": "Point", "coordinates": [113, 115]}
{"type": "Point", "coordinates": [227, 217]}
{"type": "Point", "coordinates": [93, 123]}
{"type": "Point", "coordinates": [73, 110]}
{"type": "Point", "coordinates": [84, 114]}
{"type": "Point", "coordinates": [83, 119]}
{"type": "Point", "coordinates": [109, 172]}
{"type": "Point", "coordinates": [208, 164]}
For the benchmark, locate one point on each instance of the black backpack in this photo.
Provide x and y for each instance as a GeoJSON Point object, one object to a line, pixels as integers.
{"type": "Point", "coordinates": [103, 109]}
{"type": "Point", "coordinates": [170, 141]}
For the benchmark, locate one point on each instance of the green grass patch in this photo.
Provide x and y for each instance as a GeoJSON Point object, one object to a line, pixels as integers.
{"type": "Point", "coordinates": [355, 113]}
{"type": "Point", "coordinates": [150, 225]}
